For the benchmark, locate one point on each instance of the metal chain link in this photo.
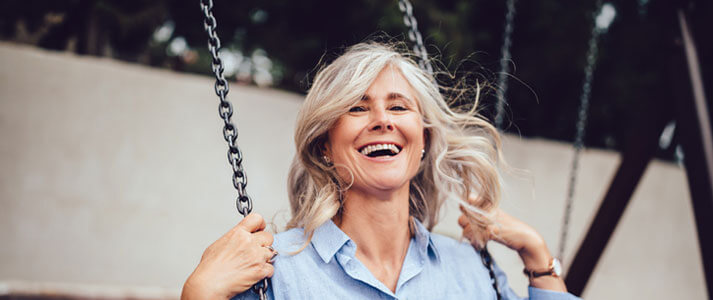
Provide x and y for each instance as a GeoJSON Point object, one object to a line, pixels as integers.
{"type": "Point", "coordinates": [415, 36]}
{"type": "Point", "coordinates": [581, 126]}
{"type": "Point", "coordinates": [488, 262]}
{"type": "Point", "coordinates": [505, 64]}
{"type": "Point", "coordinates": [230, 133]}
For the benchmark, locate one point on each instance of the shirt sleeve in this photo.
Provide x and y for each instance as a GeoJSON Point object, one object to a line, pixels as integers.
{"type": "Point", "coordinates": [534, 293]}
{"type": "Point", "coordinates": [540, 294]}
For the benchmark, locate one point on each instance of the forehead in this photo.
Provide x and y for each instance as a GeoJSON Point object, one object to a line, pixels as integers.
{"type": "Point", "coordinates": [390, 81]}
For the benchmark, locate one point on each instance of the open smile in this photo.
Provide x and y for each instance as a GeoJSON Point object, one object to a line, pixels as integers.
{"type": "Point", "coordinates": [380, 149]}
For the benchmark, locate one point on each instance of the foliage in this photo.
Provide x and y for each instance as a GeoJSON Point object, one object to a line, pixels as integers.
{"type": "Point", "coordinates": [550, 38]}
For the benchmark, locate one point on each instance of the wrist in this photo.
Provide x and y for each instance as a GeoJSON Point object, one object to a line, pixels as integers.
{"type": "Point", "coordinates": [548, 278]}
{"type": "Point", "coordinates": [538, 260]}
{"type": "Point", "coordinates": [535, 255]}
{"type": "Point", "coordinates": [554, 268]}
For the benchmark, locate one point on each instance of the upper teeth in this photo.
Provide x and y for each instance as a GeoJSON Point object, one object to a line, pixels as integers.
{"type": "Point", "coordinates": [376, 147]}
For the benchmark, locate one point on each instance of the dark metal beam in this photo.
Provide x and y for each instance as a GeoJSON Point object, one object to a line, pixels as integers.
{"type": "Point", "coordinates": [642, 144]}
{"type": "Point", "coordinates": [694, 126]}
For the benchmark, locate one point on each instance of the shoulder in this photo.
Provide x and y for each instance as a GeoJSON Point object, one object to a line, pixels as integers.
{"type": "Point", "coordinates": [458, 259]}
{"type": "Point", "coordinates": [295, 251]}
{"type": "Point", "coordinates": [446, 244]}
{"type": "Point", "coordinates": [296, 264]}
{"type": "Point", "coordinates": [290, 240]}
{"type": "Point", "coordinates": [457, 253]}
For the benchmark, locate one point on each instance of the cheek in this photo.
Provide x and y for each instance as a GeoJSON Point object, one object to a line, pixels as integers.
{"type": "Point", "coordinates": [341, 136]}
{"type": "Point", "coordinates": [416, 133]}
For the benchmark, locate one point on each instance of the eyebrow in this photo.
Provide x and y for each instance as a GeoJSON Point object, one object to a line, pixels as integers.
{"type": "Point", "coordinates": [390, 96]}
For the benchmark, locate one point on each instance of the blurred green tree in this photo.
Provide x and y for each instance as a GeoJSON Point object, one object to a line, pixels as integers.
{"type": "Point", "coordinates": [548, 53]}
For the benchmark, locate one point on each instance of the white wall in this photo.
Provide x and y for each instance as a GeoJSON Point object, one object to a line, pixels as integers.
{"type": "Point", "coordinates": [114, 174]}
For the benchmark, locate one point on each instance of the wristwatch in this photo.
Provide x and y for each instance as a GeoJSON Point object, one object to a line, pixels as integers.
{"type": "Point", "coordinates": [554, 269]}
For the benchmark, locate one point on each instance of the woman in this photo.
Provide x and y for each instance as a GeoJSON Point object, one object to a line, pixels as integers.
{"type": "Point", "coordinates": [378, 153]}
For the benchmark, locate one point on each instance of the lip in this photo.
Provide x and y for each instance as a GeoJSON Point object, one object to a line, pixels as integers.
{"type": "Point", "coordinates": [385, 158]}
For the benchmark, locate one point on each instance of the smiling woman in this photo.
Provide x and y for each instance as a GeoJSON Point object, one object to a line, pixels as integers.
{"type": "Point", "coordinates": [378, 153]}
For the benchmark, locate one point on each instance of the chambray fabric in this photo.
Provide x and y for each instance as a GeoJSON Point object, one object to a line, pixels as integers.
{"type": "Point", "coordinates": [435, 267]}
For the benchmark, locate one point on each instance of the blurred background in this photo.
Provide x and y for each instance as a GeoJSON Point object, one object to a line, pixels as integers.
{"type": "Point", "coordinates": [114, 177]}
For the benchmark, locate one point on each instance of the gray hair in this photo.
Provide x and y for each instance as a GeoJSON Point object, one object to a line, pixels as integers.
{"type": "Point", "coordinates": [462, 148]}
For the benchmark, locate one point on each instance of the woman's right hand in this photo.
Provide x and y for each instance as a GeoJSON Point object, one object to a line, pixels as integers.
{"type": "Point", "coordinates": [233, 263]}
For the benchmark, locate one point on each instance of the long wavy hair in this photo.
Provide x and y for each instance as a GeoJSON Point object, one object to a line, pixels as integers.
{"type": "Point", "coordinates": [462, 148]}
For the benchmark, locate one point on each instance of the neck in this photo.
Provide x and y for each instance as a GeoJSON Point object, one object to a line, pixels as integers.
{"type": "Point", "coordinates": [378, 222]}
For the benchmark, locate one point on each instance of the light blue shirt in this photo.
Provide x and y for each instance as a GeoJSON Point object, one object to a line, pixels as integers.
{"type": "Point", "coordinates": [435, 267]}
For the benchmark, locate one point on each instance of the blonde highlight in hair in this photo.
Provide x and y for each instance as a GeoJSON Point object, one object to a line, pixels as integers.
{"type": "Point", "coordinates": [462, 148]}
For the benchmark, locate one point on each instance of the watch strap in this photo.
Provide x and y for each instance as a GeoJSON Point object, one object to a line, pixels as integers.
{"type": "Point", "coordinates": [552, 270]}
{"type": "Point", "coordinates": [535, 274]}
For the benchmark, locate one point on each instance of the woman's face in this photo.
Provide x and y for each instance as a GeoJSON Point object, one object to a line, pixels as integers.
{"type": "Point", "coordinates": [381, 138]}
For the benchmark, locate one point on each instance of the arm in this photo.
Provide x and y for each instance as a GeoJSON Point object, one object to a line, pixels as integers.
{"type": "Point", "coordinates": [531, 247]}
{"type": "Point", "coordinates": [528, 243]}
{"type": "Point", "coordinates": [233, 263]}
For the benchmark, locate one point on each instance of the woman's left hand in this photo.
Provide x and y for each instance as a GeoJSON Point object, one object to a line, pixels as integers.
{"type": "Point", "coordinates": [507, 230]}
{"type": "Point", "coordinates": [521, 237]}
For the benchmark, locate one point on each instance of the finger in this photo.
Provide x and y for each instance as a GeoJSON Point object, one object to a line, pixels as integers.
{"type": "Point", "coordinates": [463, 221]}
{"type": "Point", "coordinates": [263, 238]}
{"type": "Point", "coordinates": [465, 211]}
{"type": "Point", "coordinates": [471, 236]}
{"type": "Point", "coordinates": [252, 223]}
{"type": "Point", "coordinates": [270, 254]}
{"type": "Point", "coordinates": [477, 238]}
{"type": "Point", "coordinates": [468, 233]}
{"type": "Point", "coordinates": [471, 233]}
{"type": "Point", "coordinates": [268, 270]}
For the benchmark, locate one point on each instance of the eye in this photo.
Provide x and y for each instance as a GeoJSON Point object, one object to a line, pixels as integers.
{"type": "Point", "coordinates": [398, 108]}
{"type": "Point", "coordinates": [357, 109]}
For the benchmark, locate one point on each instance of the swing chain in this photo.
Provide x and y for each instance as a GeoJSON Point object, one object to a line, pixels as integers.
{"type": "Point", "coordinates": [225, 111]}
{"type": "Point", "coordinates": [415, 36]}
{"type": "Point", "coordinates": [230, 133]}
{"type": "Point", "coordinates": [505, 58]}
{"type": "Point", "coordinates": [488, 262]}
{"type": "Point", "coordinates": [581, 126]}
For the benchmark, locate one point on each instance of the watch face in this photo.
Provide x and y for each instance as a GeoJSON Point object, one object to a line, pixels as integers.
{"type": "Point", "coordinates": [556, 266]}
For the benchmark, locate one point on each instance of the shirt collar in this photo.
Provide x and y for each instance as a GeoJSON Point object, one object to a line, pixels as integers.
{"type": "Point", "coordinates": [328, 239]}
{"type": "Point", "coordinates": [423, 240]}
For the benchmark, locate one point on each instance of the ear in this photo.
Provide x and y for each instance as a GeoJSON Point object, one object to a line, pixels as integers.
{"type": "Point", "coordinates": [327, 148]}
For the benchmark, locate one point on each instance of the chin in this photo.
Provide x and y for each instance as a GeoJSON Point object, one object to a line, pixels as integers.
{"type": "Point", "coordinates": [387, 184]}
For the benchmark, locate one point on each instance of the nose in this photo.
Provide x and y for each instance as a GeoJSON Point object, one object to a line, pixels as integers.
{"type": "Point", "coordinates": [381, 120]}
